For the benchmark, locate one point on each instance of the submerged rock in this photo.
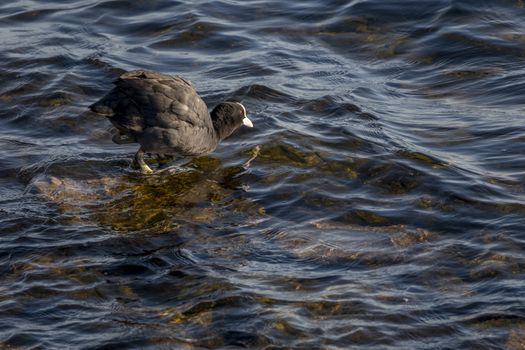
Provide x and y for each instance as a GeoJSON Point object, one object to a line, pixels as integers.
{"type": "Point", "coordinates": [408, 238]}
{"type": "Point", "coordinates": [127, 202]}
{"type": "Point", "coordinates": [516, 338]}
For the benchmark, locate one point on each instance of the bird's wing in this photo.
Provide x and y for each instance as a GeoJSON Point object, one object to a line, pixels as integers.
{"type": "Point", "coordinates": [163, 100]}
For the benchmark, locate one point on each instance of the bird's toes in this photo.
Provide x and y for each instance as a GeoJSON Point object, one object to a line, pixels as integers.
{"type": "Point", "coordinates": [146, 170]}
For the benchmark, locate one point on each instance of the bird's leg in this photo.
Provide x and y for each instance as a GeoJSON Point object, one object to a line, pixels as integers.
{"type": "Point", "coordinates": [140, 163]}
{"type": "Point", "coordinates": [163, 159]}
{"type": "Point", "coordinates": [255, 153]}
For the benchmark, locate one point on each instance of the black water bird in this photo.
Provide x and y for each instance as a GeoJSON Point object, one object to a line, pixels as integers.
{"type": "Point", "coordinates": [166, 116]}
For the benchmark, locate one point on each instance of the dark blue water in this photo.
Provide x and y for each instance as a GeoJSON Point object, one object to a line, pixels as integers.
{"type": "Point", "coordinates": [378, 203]}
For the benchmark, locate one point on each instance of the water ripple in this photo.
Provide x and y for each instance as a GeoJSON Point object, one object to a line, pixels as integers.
{"type": "Point", "coordinates": [377, 202]}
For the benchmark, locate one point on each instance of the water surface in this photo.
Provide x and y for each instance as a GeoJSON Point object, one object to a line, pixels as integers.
{"type": "Point", "coordinates": [377, 203]}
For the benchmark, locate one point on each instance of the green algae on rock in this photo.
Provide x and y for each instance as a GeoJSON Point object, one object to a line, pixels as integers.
{"type": "Point", "coordinates": [157, 203]}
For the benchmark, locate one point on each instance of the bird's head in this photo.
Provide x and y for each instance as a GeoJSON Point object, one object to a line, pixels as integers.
{"type": "Point", "coordinates": [229, 116]}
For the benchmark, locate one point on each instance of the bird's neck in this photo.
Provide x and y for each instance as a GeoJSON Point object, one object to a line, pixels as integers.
{"type": "Point", "coordinates": [223, 128]}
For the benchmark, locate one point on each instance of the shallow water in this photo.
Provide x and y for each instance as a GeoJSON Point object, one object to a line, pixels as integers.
{"type": "Point", "coordinates": [377, 203]}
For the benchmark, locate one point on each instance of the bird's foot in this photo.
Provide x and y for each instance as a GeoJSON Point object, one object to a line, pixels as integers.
{"type": "Point", "coordinates": [144, 168]}
{"type": "Point", "coordinates": [255, 152]}
{"type": "Point", "coordinates": [139, 163]}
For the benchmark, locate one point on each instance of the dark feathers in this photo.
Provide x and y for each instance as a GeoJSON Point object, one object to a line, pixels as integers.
{"type": "Point", "coordinates": [166, 115]}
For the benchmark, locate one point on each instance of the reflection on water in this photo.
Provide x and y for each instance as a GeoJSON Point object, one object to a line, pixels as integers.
{"type": "Point", "coordinates": [377, 203]}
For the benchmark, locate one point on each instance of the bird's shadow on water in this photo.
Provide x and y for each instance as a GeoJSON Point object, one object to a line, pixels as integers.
{"type": "Point", "coordinates": [111, 194]}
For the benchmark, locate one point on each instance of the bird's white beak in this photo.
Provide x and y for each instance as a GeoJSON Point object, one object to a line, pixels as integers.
{"type": "Point", "coordinates": [247, 122]}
